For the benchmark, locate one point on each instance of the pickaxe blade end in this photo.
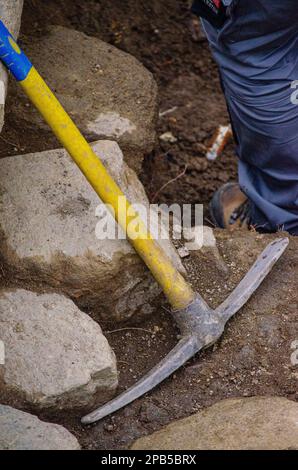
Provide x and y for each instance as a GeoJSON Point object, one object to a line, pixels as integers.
{"type": "Point", "coordinates": [180, 354]}
{"type": "Point", "coordinates": [253, 279]}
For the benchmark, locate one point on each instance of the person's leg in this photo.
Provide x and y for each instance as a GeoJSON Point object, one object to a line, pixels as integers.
{"type": "Point", "coordinates": [268, 161]}
{"type": "Point", "coordinates": [257, 52]}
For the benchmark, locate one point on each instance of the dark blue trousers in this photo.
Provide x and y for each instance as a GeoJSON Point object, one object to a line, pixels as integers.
{"type": "Point", "coordinates": [257, 53]}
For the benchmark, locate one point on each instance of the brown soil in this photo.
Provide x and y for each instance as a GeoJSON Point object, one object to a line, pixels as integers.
{"type": "Point", "coordinates": [253, 357]}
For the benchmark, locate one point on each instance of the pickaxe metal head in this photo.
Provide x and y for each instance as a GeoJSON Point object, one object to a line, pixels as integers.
{"type": "Point", "coordinates": [200, 328]}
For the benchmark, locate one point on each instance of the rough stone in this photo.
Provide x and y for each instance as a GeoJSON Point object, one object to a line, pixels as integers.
{"type": "Point", "coordinates": [55, 355]}
{"type": "Point", "coordinates": [10, 14]}
{"type": "Point", "coordinates": [23, 431]}
{"type": "Point", "coordinates": [257, 423]}
{"type": "Point", "coordinates": [48, 223]}
{"type": "Point", "coordinates": [107, 92]}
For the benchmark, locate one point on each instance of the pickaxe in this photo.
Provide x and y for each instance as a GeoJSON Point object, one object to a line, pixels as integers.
{"type": "Point", "coordinates": [200, 326]}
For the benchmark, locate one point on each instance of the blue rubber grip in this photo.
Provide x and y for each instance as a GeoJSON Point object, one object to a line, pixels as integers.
{"type": "Point", "coordinates": [11, 55]}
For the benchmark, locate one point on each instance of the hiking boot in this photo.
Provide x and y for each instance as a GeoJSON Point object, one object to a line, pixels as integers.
{"type": "Point", "coordinates": [230, 208]}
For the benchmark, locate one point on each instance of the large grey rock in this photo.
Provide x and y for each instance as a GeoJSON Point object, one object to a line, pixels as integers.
{"type": "Point", "coordinates": [55, 355]}
{"type": "Point", "coordinates": [48, 222]}
{"type": "Point", "coordinates": [10, 14]}
{"type": "Point", "coordinates": [257, 423]}
{"type": "Point", "coordinates": [108, 93]}
{"type": "Point", "coordinates": [23, 431]}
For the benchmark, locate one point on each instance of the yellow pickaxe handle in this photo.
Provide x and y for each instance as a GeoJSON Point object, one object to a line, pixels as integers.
{"type": "Point", "coordinates": [175, 287]}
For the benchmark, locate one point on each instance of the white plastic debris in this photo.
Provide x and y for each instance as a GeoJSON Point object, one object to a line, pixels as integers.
{"type": "Point", "coordinates": [219, 141]}
{"type": "Point", "coordinates": [168, 111]}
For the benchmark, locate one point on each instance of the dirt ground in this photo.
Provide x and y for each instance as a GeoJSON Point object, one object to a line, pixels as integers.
{"type": "Point", "coordinates": [253, 358]}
